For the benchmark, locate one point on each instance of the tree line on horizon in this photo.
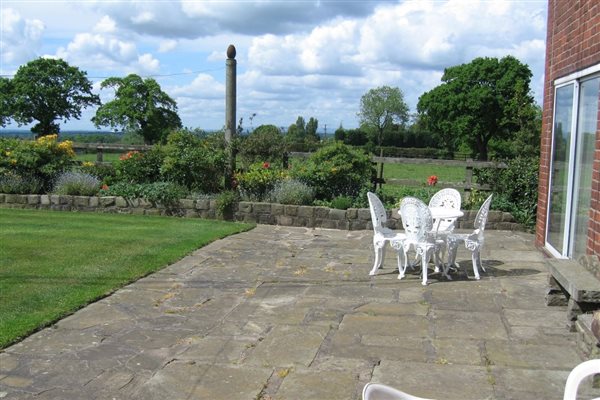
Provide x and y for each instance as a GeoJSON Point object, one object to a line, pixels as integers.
{"type": "Point", "coordinates": [484, 108]}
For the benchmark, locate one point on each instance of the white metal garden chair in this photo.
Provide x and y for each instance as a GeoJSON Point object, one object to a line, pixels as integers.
{"type": "Point", "coordinates": [377, 391]}
{"type": "Point", "coordinates": [383, 235]}
{"type": "Point", "coordinates": [448, 198]}
{"type": "Point", "coordinates": [577, 375]}
{"type": "Point", "coordinates": [473, 241]}
{"type": "Point", "coordinates": [418, 224]}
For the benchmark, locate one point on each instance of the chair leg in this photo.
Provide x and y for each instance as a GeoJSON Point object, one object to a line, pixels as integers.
{"type": "Point", "coordinates": [378, 259]}
{"type": "Point", "coordinates": [401, 263]}
{"type": "Point", "coordinates": [479, 259]}
{"type": "Point", "coordinates": [424, 262]}
{"type": "Point", "coordinates": [475, 258]}
{"type": "Point", "coordinates": [452, 249]}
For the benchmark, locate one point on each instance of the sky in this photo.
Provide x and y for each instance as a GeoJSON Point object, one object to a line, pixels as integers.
{"type": "Point", "coordinates": [294, 58]}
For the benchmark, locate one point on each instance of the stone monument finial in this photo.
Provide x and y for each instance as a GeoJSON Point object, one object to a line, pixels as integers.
{"type": "Point", "coordinates": [231, 52]}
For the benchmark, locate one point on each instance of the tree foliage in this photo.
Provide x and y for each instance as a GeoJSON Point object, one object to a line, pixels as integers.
{"type": "Point", "coordinates": [6, 101]}
{"type": "Point", "coordinates": [46, 90]}
{"type": "Point", "coordinates": [486, 99]}
{"type": "Point", "coordinates": [264, 144]}
{"type": "Point", "coordinates": [381, 108]}
{"type": "Point", "coordinates": [139, 105]}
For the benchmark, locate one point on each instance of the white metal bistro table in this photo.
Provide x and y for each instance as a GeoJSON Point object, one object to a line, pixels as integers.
{"type": "Point", "coordinates": [440, 213]}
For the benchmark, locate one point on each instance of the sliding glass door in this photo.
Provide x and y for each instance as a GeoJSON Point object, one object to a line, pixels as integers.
{"type": "Point", "coordinates": [574, 138]}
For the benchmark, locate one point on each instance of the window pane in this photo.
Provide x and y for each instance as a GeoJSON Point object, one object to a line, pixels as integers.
{"type": "Point", "coordinates": [586, 142]}
{"type": "Point", "coordinates": [563, 110]}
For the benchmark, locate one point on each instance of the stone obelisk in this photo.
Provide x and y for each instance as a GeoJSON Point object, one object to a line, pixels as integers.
{"type": "Point", "coordinates": [230, 104]}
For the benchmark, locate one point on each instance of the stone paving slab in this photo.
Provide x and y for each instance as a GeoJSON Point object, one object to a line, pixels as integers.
{"type": "Point", "coordinates": [291, 313]}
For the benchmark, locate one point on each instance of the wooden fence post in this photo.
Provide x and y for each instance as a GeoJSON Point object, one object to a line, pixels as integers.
{"type": "Point", "coordinates": [469, 175]}
{"type": "Point", "coordinates": [99, 155]}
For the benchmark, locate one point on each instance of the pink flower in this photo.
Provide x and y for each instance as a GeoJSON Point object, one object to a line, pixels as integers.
{"type": "Point", "coordinates": [432, 180]}
{"type": "Point", "coordinates": [266, 165]}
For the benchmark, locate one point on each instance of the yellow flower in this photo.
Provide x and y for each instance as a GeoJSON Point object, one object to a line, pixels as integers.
{"type": "Point", "coordinates": [8, 153]}
{"type": "Point", "coordinates": [67, 147]}
{"type": "Point", "coordinates": [47, 139]}
{"type": "Point", "coordinates": [88, 164]}
{"type": "Point", "coordinates": [13, 161]}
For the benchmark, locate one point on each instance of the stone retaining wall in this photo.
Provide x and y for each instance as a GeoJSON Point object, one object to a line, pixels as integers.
{"type": "Point", "coordinates": [262, 213]}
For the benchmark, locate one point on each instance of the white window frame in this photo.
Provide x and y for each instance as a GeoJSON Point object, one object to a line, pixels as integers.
{"type": "Point", "coordinates": [572, 79]}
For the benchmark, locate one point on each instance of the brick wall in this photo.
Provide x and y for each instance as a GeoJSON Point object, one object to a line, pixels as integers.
{"type": "Point", "coordinates": [572, 44]}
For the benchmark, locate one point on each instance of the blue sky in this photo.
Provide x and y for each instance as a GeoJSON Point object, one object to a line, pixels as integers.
{"type": "Point", "coordinates": [308, 58]}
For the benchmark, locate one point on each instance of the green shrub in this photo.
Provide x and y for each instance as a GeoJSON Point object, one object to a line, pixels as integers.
{"type": "Point", "coordinates": [515, 188]}
{"type": "Point", "coordinates": [341, 202]}
{"type": "Point", "coordinates": [17, 184]}
{"type": "Point", "coordinates": [163, 193]}
{"type": "Point", "coordinates": [138, 167]}
{"type": "Point", "coordinates": [264, 144]}
{"type": "Point", "coordinates": [292, 191]}
{"type": "Point", "coordinates": [335, 170]}
{"type": "Point", "coordinates": [256, 183]}
{"type": "Point", "coordinates": [41, 160]}
{"type": "Point", "coordinates": [105, 172]}
{"type": "Point", "coordinates": [76, 184]}
{"type": "Point", "coordinates": [226, 201]}
{"type": "Point", "coordinates": [193, 162]}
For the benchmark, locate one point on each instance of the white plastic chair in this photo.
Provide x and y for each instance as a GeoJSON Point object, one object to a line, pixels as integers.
{"type": "Point", "coordinates": [449, 198]}
{"type": "Point", "coordinates": [578, 374]}
{"type": "Point", "coordinates": [377, 391]}
{"type": "Point", "coordinates": [383, 234]}
{"type": "Point", "coordinates": [473, 241]}
{"type": "Point", "coordinates": [418, 224]}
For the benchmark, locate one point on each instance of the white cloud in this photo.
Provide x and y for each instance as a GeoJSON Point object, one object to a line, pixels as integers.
{"type": "Point", "coordinates": [106, 25]}
{"type": "Point", "coordinates": [146, 63]}
{"type": "Point", "coordinates": [204, 86]}
{"type": "Point", "coordinates": [104, 49]}
{"type": "Point", "coordinates": [20, 37]}
{"type": "Point", "coordinates": [167, 45]}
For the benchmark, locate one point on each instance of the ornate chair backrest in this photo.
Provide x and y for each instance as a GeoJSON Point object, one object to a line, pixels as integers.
{"type": "Point", "coordinates": [446, 198]}
{"type": "Point", "coordinates": [378, 213]}
{"type": "Point", "coordinates": [416, 219]}
{"type": "Point", "coordinates": [482, 216]}
{"type": "Point", "coordinates": [449, 198]}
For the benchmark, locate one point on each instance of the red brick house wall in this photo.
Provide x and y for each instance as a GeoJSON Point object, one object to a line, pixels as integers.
{"type": "Point", "coordinates": [572, 44]}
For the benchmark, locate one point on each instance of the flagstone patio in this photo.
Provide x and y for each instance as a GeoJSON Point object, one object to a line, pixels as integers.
{"type": "Point", "coordinates": [291, 313]}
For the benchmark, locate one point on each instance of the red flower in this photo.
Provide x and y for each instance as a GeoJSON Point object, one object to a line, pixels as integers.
{"type": "Point", "coordinates": [104, 187]}
{"type": "Point", "coordinates": [266, 165]}
{"type": "Point", "coordinates": [432, 180]}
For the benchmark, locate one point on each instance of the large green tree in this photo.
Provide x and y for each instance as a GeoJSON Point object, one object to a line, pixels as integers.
{"type": "Point", "coordinates": [6, 101]}
{"type": "Point", "coordinates": [381, 108]}
{"type": "Point", "coordinates": [139, 105]}
{"type": "Point", "coordinates": [46, 90]}
{"type": "Point", "coordinates": [486, 99]}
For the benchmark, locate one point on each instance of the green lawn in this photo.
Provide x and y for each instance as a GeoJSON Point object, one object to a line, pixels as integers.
{"type": "Point", "coordinates": [53, 263]}
{"type": "Point", "coordinates": [421, 172]}
{"type": "Point", "coordinates": [106, 157]}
